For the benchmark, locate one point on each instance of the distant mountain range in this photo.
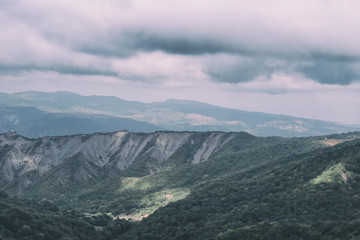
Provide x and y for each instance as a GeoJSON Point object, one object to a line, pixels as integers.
{"type": "Point", "coordinates": [32, 122]}
{"type": "Point", "coordinates": [68, 113]}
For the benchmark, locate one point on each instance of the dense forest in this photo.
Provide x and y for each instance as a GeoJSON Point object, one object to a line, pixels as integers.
{"type": "Point", "coordinates": [27, 219]}
{"type": "Point", "coordinates": [252, 188]}
{"type": "Point", "coordinates": [304, 196]}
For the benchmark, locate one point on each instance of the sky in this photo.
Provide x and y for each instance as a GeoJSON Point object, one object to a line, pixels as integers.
{"type": "Point", "coordinates": [299, 57]}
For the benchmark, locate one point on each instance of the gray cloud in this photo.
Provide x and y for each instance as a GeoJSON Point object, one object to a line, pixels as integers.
{"type": "Point", "coordinates": [108, 33]}
{"type": "Point", "coordinates": [185, 45]}
{"type": "Point", "coordinates": [6, 69]}
{"type": "Point", "coordinates": [128, 43]}
{"type": "Point", "coordinates": [82, 71]}
{"type": "Point", "coordinates": [320, 66]}
{"type": "Point", "coordinates": [331, 57]}
{"type": "Point", "coordinates": [331, 68]}
{"type": "Point", "coordinates": [108, 51]}
{"type": "Point", "coordinates": [331, 72]}
{"type": "Point", "coordinates": [241, 71]}
{"type": "Point", "coordinates": [14, 69]}
{"type": "Point", "coordinates": [141, 78]}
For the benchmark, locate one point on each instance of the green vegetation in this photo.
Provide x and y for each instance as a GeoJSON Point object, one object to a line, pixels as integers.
{"type": "Point", "coordinates": [24, 219]}
{"type": "Point", "coordinates": [289, 230]}
{"type": "Point", "coordinates": [336, 173]}
{"type": "Point", "coordinates": [251, 188]}
{"type": "Point", "coordinates": [269, 201]}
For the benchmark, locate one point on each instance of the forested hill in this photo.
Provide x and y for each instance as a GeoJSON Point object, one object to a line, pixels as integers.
{"type": "Point", "coordinates": [314, 195]}
{"type": "Point", "coordinates": [182, 185]}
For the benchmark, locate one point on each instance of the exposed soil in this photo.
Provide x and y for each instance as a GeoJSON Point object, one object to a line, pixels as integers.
{"type": "Point", "coordinates": [333, 142]}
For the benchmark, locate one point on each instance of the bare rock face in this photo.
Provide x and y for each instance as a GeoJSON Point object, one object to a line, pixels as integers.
{"type": "Point", "coordinates": [210, 145]}
{"type": "Point", "coordinates": [82, 159]}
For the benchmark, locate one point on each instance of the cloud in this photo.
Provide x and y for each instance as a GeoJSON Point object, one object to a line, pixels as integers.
{"type": "Point", "coordinates": [194, 48]}
{"type": "Point", "coordinates": [283, 83]}
{"type": "Point", "coordinates": [330, 72]}
{"type": "Point", "coordinates": [160, 68]}
{"type": "Point", "coordinates": [237, 69]}
{"type": "Point", "coordinates": [69, 69]}
{"type": "Point", "coordinates": [129, 43]}
{"type": "Point", "coordinates": [324, 67]}
{"type": "Point", "coordinates": [185, 45]}
{"type": "Point", "coordinates": [331, 69]}
{"type": "Point", "coordinates": [63, 37]}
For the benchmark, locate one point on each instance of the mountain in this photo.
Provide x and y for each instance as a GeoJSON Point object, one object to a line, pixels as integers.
{"type": "Point", "coordinates": [34, 123]}
{"type": "Point", "coordinates": [192, 185]}
{"type": "Point", "coordinates": [177, 115]}
{"type": "Point", "coordinates": [84, 159]}
{"type": "Point", "coordinates": [313, 195]}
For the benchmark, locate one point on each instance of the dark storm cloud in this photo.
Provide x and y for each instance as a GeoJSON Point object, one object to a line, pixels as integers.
{"type": "Point", "coordinates": [129, 43]}
{"type": "Point", "coordinates": [331, 68]}
{"type": "Point", "coordinates": [331, 72]}
{"type": "Point", "coordinates": [13, 69]}
{"type": "Point", "coordinates": [108, 51]}
{"type": "Point", "coordinates": [6, 69]}
{"type": "Point", "coordinates": [185, 45]}
{"type": "Point", "coordinates": [333, 57]}
{"type": "Point", "coordinates": [111, 35]}
{"type": "Point", "coordinates": [240, 71]}
{"type": "Point", "coordinates": [322, 67]}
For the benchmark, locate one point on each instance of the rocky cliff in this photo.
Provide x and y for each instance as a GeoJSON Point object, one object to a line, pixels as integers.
{"type": "Point", "coordinates": [80, 159]}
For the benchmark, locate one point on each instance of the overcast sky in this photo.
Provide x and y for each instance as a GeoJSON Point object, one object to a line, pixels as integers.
{"type": "Point", "coordinates": [299, 58]}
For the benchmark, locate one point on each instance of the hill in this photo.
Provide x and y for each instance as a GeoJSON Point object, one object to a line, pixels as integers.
{"type": "Point", "coordinates": [194, 185]}
{"type": "Point", "coordinates": [313, 195]}
{"type": "Point", "coordinates": [177, 115]}
{"type": "Point", "coordinates": [32, 122]}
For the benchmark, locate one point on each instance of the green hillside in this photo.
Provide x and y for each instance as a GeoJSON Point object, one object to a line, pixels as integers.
{"type": "Point", "coordinates": [251, 188]}
{"type": "Point", "coordinates": [282, 199]}
{"type": "Point", "coordinates": [136, 193]}
{"type": "Point", "coordinates": [26, 220]}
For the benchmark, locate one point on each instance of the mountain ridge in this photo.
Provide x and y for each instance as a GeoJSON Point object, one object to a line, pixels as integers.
{"type": "Point", "coordinates": [32, 122]}
{"type": "Point", "coordinates": [178, 115]}
{"type": "Point", "coordinates": [112, 152]}
{"type": "Point", "coordinates": [191, 185]}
